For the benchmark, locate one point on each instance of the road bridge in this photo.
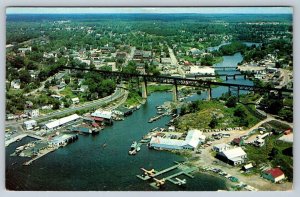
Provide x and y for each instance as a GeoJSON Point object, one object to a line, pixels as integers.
{"type": "Point", "coordinates": [176, 81]}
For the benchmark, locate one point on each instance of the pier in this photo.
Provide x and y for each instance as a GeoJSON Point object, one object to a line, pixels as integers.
{"type": "Point", "coordinates": [152, 174]}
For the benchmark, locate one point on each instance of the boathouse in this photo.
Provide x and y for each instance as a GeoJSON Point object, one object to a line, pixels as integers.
{"type": "Point", "coordinates": [106, 116]}
{"type": "Point", "coordinates": [61, 140]}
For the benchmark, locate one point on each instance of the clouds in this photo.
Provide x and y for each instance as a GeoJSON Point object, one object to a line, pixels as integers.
{"type": "Point", "coordinates": [204, 10]}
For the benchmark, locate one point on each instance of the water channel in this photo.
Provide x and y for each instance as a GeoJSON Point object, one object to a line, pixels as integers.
{"type": "Point", "coordinates": [87, 165]}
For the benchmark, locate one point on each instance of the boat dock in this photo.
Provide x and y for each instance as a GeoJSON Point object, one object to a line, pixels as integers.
{"type": "Point", "coordinates": [151, 175]}
{"type": "Point", "coordinates": [16, 138]}
{"type": "Point", "coordinates": [145, 178]}
{"type": "Point", "coordinates": [156, 118]}
{"type": "Point", "coordinates": [45, 152]}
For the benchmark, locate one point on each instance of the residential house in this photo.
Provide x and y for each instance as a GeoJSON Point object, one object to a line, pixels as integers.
{"type": "Point", "coordinates": [30, 124]}
{"type": "Point", "coordinates": [16, 84]}
{"type": "Point", "coordinates": [275, 175]}
{"type": "Point", "coordinates": [237, 141]}
{"type": "Point", "coordinates": [221, 147]}
{"type": "Point", "coordinates": [75, 100]}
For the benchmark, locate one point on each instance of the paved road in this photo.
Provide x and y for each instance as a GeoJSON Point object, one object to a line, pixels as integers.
{"type": "Point", "coordinates": [175, 62]}
{"type": "Point", "coordinates": [117, 94]}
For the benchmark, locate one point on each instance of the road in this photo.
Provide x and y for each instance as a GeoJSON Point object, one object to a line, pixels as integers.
{"type": "Point", "coordinates": [175, 62]}
{"type": "Point", "coordinates": [116, 95]}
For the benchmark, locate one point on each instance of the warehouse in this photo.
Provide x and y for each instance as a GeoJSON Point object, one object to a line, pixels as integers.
{"type": "Point", "coordinates": [192, 140]}
{"type": "Point", "coordinates": [233, 156]}
{"type": "Point", "coordinates": [61, 122]}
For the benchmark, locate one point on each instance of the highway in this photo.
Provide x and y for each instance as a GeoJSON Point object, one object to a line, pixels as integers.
{"type": "Point", "coordinates": [116, 95]}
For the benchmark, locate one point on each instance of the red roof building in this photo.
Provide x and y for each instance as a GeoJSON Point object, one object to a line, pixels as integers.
{"type": "Point", "coordinates": [275, 175]}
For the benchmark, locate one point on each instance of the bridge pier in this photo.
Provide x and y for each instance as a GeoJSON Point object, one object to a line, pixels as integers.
{"type": "Point", "coordinates": [175, 93]}
{"type": "Point", "coordinates": [234, 77]}
{"type": "Point", "coordinates": [209, 93]}
{"type": "Point", "coordinates": [226, 77]}
{"type": "Point", "coordinates": [238, 93]}
{"type": "Point", "coordinates": [229, 91]}
{"type": "Point", "coordinates": [144, 89]}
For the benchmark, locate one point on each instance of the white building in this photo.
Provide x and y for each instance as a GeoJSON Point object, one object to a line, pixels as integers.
{"type": "Point", "coordinates": [61, 122]}
{"type": "Point", "coordinates": [233, 156]}
{"type": "Point", "coordinates": [30, 124]}
{"type": "Point", "coordinates": [33, 112]}
{"type": "Point", "coordinates": [192, 140]}
{"type": "Point", "coordinates": [75, 100]}
{"type": "Point", "coordinates": [16, 84]}
{"type": "Point", "coordinates": [221, 147]}
{"type": "Point", "coordinates": [102, 114]}
{"type": "Point", "coordinates": [202, 70]}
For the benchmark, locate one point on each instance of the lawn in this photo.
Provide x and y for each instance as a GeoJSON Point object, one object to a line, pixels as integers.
{"type": "Point", "coordinates": [158, 88]}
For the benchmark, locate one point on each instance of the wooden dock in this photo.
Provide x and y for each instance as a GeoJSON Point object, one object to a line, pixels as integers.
{"type": "Point", "coordinates": [184, 170]}
{"type": "Point", "coordinates": [144, 178]}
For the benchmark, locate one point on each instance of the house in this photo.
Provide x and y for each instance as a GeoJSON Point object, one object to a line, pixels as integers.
{"type": "Point", "coordinates": [233, 156]}
{"type": "Point", "coordinates": [165, 60]}
{"type": "Point", "coordinates": [83, 88]}
{"type": "Point", "coordinates": [61, 140]}
{"type": "Point", "coordinates": [82, 129]}
{"type": "Point", "coordinates": [237, 141]}
{"type": "Point", "coordinates": [122, 111]}
{"type": "Point", "coordinates": [138, 54]}
{"type": "Point", "coordinates": [221, 147]}
{"type": "Point", "coordinates": [33, 112]}
{"type": "Point", "coordinates": [75, 100]}
{"type": "Point", "coordinates": [30, 124]}
{"type": "Point", "coordinates": [28, 104]}
{"type": "Point", "coordinates": [194, 52]}
{"type": "Point", "coordinates": [16, 84]}
{"type": "Point", "coordinates": [24, 50]}
{"type": "Point", "coordinates": [275, 175]}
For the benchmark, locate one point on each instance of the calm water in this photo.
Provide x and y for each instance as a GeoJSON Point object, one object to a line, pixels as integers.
{"type": "Point", "coordinates": [87, 165]}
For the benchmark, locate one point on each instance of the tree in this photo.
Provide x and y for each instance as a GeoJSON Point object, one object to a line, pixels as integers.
{"type": "Point", "coordinates": [231, 102]}
{"type": "Point", "coordinates": [213, 123]}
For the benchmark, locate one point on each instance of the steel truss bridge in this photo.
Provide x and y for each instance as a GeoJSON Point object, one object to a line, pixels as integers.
{"type": "Point", "coordinates": [176, 81]}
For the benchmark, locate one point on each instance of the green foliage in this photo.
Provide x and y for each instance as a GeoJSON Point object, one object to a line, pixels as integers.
{"type": "Point", "coordinates": [233, 48]}
{"type": "Point", "coordinates": [231, 101]}
{"type": "Point", "coordinates": [213, 123]}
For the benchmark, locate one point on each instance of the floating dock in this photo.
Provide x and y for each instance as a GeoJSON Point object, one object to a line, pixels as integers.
{"type": "Point", "coordinates": [184, 170]}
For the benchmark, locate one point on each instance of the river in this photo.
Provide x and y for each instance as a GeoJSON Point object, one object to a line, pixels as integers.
{"type": "Point", "coordinates": [87, 165]}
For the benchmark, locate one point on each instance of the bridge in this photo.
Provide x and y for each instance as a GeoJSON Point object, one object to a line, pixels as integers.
{"type": "Point", "coordinates": [176, 81]}
{"type": "Point", "coordinates": [227, 76]}
{"type": "Point", "coordinates": [225, 67]}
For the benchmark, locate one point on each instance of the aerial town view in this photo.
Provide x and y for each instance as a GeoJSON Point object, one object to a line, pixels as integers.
{"type": "Point", "coordinates": [149, 99]}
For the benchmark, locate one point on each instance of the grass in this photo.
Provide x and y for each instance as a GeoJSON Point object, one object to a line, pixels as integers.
{"type": "Point", "coordinates": [68, 92]}
{"type": "Point", "coordinates": [209, 109]}
{"type": "Point", "coordinates": [260, 155]}
{"type": "Point", "coordinates": [133, 99]}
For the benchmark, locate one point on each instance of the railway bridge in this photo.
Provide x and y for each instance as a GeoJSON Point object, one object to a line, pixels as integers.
{"type": "Point", "coordinates": [176, 81]}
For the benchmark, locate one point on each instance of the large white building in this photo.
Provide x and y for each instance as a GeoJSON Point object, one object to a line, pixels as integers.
{"type": "Point", "coordinates": [233, 156]}
{"type": "Point", "coordinates": [192, 140]}
{"type": "Point", "coordinates": [202, 70]}
{"type": "Point", "coordinates": [61, 122]}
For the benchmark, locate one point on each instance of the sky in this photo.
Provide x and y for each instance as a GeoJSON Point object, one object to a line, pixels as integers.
{"type": "Point", "coordinates": [204, 10]}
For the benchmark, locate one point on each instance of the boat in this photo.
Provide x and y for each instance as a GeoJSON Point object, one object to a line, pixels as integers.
{"type": "Point", "coordinates": [104, 145]}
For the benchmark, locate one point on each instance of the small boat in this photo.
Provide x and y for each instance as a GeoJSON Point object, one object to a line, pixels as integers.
{"type": "Point", "coordinates": [104, 145]}
{"type": "Point", "coordinates": [132, 152]}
